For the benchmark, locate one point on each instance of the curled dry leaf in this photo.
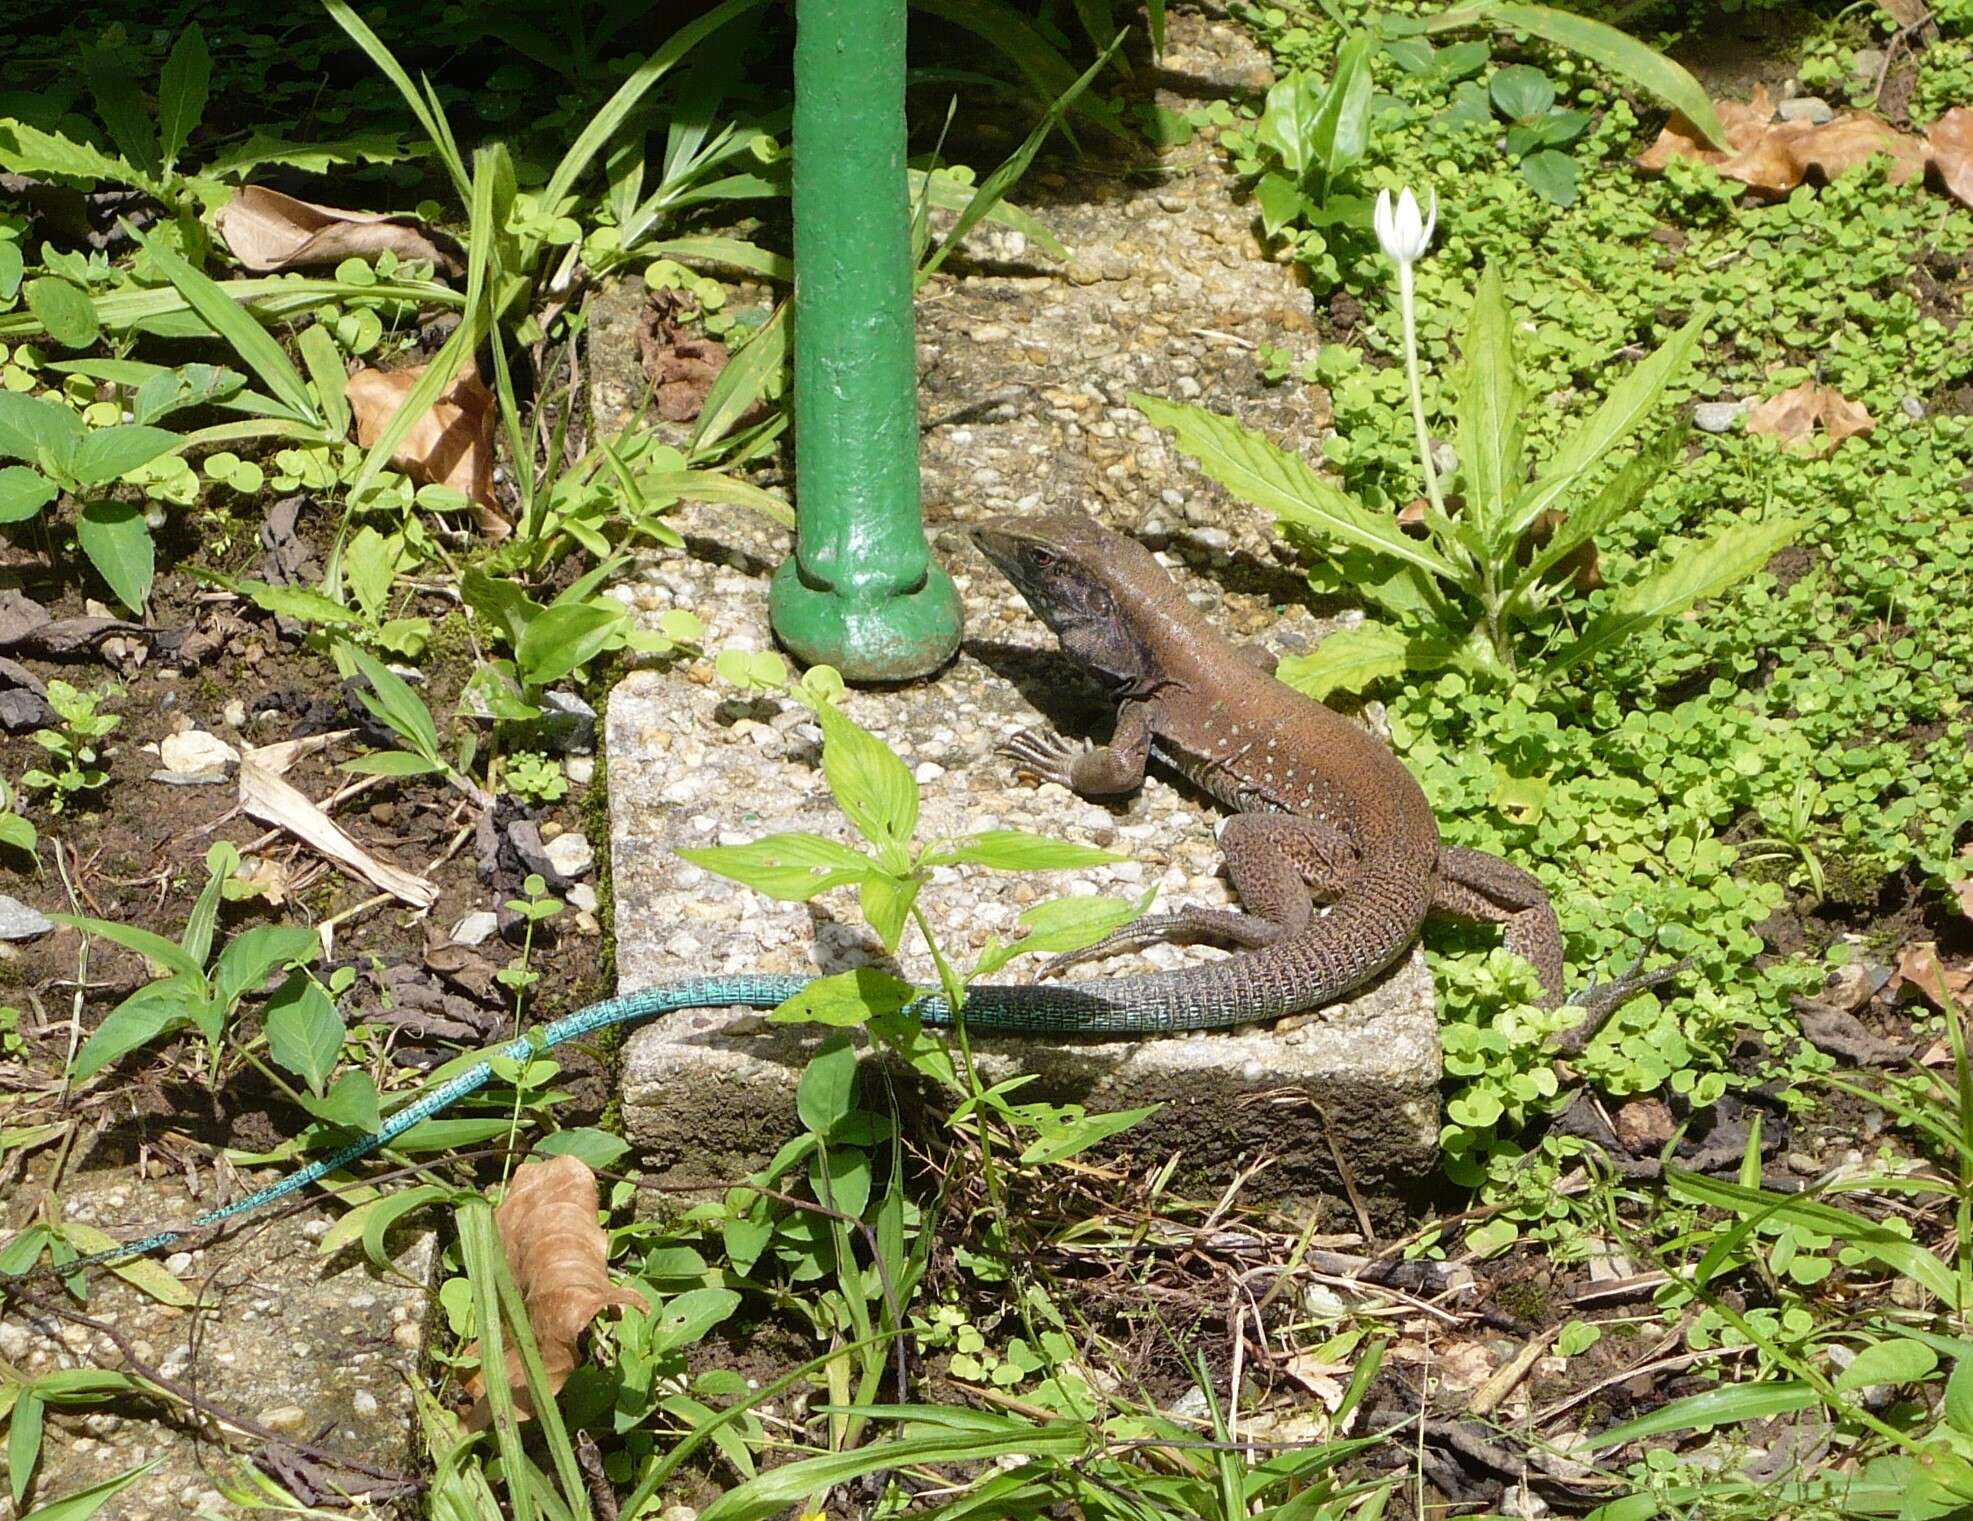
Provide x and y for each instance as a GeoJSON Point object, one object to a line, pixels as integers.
{"type": "Point", "coordinates": [1773, 157]}
{"type": "Point", "coordinates": [682, 364]}
{"type": "Point", "coordinates": [1794, 415]}
{"type": "Point", "coordinates": [1963, 889]}
{"type": "Point", "coordinates": [559, 1255]}
{"type": "Point", "coordinates": [451, 445]}
{"type": "Point", "coordinates": [1919, 967]}
{"type": "Point", "coordinates": [267, 232]}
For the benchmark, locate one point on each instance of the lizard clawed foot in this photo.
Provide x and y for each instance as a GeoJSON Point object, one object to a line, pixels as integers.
{"type": "Point", "coordinates": [1042, 756]}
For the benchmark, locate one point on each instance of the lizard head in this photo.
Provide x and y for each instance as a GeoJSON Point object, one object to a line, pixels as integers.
{"type": "Point", "coordinates": [1084, 582]}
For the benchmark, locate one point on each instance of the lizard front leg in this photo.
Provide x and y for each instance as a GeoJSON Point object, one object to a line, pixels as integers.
{"type": "Point", "coordinates": [1476, 885]}
{"type": "Point", "coordinates": [1090, 771]}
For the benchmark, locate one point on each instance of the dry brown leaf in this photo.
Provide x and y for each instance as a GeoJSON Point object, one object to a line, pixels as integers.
{"type": "Point", "coordinates": [1773, 157]}
{"type": "Point", "coordinates": [682, 364]}
{"type": "Point", "coordinates": [1963, 890]}
{"type": "Point", "coordinates": [559, 1255]}
{"type": "Point", "coordinates": [1908, 14]}
{"type": "Point", "coordinates": [1794, 415]}
{"type": "Point", "coordinates": [1950, 141]}
{"type": "Point", "coordinates": [451, 445]}
{"type": "Point", "coordinates": [268, 231]}
{"type": "Point", "coordinates": [1918, 966]}
{"type": "Point", "coordinates": [268, 798]}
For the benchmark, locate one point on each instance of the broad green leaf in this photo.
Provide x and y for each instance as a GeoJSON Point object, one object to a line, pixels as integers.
{"type": "Point", "coordinates": [29, 150]}
{"type": "Point", "coordinates": [1351, 659]}
{"type": "Point", "coordinates": [1339, 131]}
{"type": "Point", "coordinates": [1258, 472]}
{"type": "Point", "coordinates": [792, 867]}
{"type": "Point", "coordinates": [745, 378]}
{"type": "Point", "coordinates": [252, 342]}
{"type": "Point", "coordinates": [1617, 51]}
{"type": "Point", "coordinates": [252, 955]}
{"type": "Point", "coordinates": [1522, 92]}
{"type": "Point", "coordinates": [1552, 175]}
{"type": "Point", "coordinates": [304, 1032]}
{"type": "Point", "coordinates": [872, 786]}
{"type": "Point", "coordinates": [153, 948]}
{"type": "Point", "coordinates": [1732, 1406]}
{"type": "Point", "coordinates": [587, 1144]}
{"type": "Point", "coordinates": [144, 1274]}
{"type": "Point", "coordinates": [23, 493]}
{"type": "Point", "coordinates": [34, 429]}
{"type": "Point", "coordinates": [845, 1000]}
{"type": "Point", "coordinates": [393, 701]}
{"type": "Point", "coordinates": [686, 1318]}
{"type": "Point", "coordinates": [142, 1017]}
{"type": "Point", "coordinates": [1017, 850]}
{"type": "Point", "coordinates": [120, 107]}
{"type": "Point", "coordinates": [1059, 925]}
{"type": "Point", "coordinates": [298, 602]}
{"type": "Point", "coordinates": [886, 903]}
{"type": "Point", "coordinates": [1630, 401]}
{"type": "Point", "coordinates": [1701, 570]}
{"type": "Point", "coordinates": [64, 311]}
{"type": "Point", "coordinates": [1958, 1407]}
{"type": "Point", "coordinates": [182, 90]}
{"type": "Point", "coordinates": [118, 542]}
{"type": "Point", "coordinates": [1894, 1360]}
{"type": "Point", "coordinates": [1287, 123]}
{"type": "Point", "coordinates": [826, 1095]}
{"type": "Point", "coordinates": [1492, 405]}
{"type": "Point", "coordinates": [193, 385]}
{"type": "Point", "coordinates": [566, 636]}
{"type": "Point", "coordinates": [352, 1104]}
{"type": "Point", "coordinates": [12, 267]}
{"type": "Point", "coordinates": [107, 453]}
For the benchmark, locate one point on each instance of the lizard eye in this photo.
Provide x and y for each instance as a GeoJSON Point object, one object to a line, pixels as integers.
{"type": "Point", "coordinates": [1039, 558]}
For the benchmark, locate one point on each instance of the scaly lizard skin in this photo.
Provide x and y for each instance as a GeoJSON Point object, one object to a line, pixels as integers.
{"type": "Point", "coordinates": [1323, 811]}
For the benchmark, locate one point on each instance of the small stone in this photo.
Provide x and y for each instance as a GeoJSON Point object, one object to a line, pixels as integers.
{"type": "Point", "coordinates": [363, 1402]}
{"type": "Point", "coordinates": [1913, 408]}
{"type": "Point", "coordinates": [476, 928]}
{"type": "Point", "coordinates": [927, 771]}
{"type": "Point", "coordinates": [196, 753]}
{"type": "Point", "coordinates": [580, 769]}
{"type": "Point", "coordinates": [20, 922]}
{"type": "Point", "coordinates": [1808, 108]}
{"type": "Point", "coordinates": [1643, 1125]}
{"type": "Point", "coordinates": [284, 1418]}
{"type": "Point", "coordinates": [582, 897]}
{"type": "Point", "coordinates": [1869, 62]}
{"type": "Point", "coordinates": [567, 722]}
{"type": "Point", "coordinates": [1719, 416]}
{"type": "Point", "coordinates": [234, 714]}
{"type": "Point", "coordinates": [678, 1513]}
{"type": "Point", "coordinates": [571, 854]}
{"type": "Point", "coordinates": [1085, 272]}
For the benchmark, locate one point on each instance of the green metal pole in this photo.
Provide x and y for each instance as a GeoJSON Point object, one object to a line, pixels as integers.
{"type": "Point", "coordinates": [861, 591]}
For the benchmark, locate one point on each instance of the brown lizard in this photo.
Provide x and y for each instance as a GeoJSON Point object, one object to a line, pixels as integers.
{"type": "Point", "coordinates": [1323, 811]}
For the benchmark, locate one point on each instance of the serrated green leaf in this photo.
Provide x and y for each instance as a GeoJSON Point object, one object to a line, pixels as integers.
{"type": "Point", "coordinates": [1630, 401]}
{"type": "Point", "coordinates": [1699, 571]}
{"type": "Point", "coordinates": [64, 311]}
{"type": "Point", "coordinates": [391, 699]}
{"type": "Point", "coordinates": [846, 999]}
{"type": "Point", "coordinates": [298, 602]}
{"type": "Point", "coordinates": [1351, 659]}
{"type": "Point", "coordinates": [793, 867]}
{"type": "Point", "coordinates": [118, 542]}
{"type": "Point", "coordinates": [874, 789]}
{"type": "Point", "coordinates": [1257, 471]}
{"type": "Point", "coordinates": [108, 453]}
{"type": "Point", "coordinates": [183, 87]}
{"type": "Point", "coordinates": [29, 150]}
{"type": "Point", "coordinates": [120, 107]}
{"type": "Point", "coordinates": [23, 493]}
{"type": "Point", "coordinates": [1492, 405]}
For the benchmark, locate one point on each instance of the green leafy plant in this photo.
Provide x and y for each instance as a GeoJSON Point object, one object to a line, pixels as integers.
{"type": "Point", "coordinates": [1538, 130]}
{"type": "Point", "coordinates": [534, 777]}
{"type": "Point", "coordinates": [371, 562]}
{"type": "Point", "coordinates": [1461, 594]}
{"type": "Point", "coordinates": [72, 749]}
{"type": "Point", "coordinates": [65, 457]}
{"type": "Point", "coordinates": [197, 990]}
{"type": "Point", "coordinates": [16, 833]}
{"type": "Point", "coordinates": [24, 1403]}
{"type": "Point", "coordinates": [1314, 134]}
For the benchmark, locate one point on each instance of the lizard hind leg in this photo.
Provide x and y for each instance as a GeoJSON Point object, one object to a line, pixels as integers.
{"type": "Point", "coordinates": [1280, 866]}
{"type": "Point", "coordinates": [1476, 885]}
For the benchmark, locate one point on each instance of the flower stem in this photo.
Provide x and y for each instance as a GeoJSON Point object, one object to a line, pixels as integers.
{"type": "Point", "coordinates": [1407, 309]}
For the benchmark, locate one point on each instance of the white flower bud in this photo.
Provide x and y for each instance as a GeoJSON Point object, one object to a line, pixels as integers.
{"type": "Point", "coordinates": [1401, 231]}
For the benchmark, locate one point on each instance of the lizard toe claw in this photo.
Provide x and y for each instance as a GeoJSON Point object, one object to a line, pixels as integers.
{"type": "Point", "coordinates": [1041, 756]}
